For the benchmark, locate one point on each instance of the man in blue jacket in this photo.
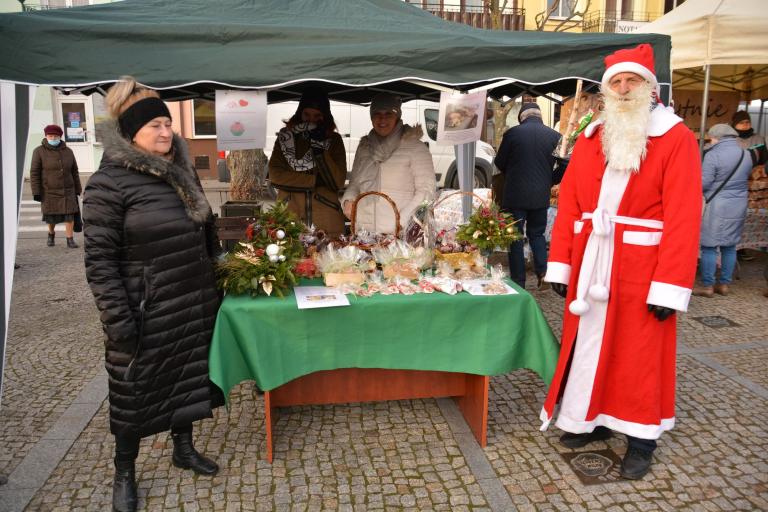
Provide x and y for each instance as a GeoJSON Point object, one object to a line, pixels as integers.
{"type": "Point", "coordinates": [526, 158]}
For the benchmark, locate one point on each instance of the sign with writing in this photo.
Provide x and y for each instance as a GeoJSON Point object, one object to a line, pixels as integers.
{"type": "Point", "coordinates": [627, 27]}
{"type": "Point", "coordinates": [722, 105]}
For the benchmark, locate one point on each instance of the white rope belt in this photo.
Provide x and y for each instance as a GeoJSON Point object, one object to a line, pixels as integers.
{"type": "Point", "coordinates": [597, 258]}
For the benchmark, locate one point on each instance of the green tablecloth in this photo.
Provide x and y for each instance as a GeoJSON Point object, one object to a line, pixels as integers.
{"type": "Point", "coordinates": [272, 342]}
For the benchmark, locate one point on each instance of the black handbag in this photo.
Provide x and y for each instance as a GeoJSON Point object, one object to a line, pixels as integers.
{"type": "Point", "coordinates": [78, 228]}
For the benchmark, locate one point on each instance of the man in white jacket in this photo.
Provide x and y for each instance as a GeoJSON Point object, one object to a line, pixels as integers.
{"type": "Point", "coordinates": [391, 159]}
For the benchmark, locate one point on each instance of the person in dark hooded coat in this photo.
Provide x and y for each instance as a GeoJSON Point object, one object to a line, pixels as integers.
{"type": "Point", "coordinates": [150, 247]}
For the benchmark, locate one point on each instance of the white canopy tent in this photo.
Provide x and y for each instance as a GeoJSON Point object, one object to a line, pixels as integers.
{"type": "Point", "coordinates": [719, 45]}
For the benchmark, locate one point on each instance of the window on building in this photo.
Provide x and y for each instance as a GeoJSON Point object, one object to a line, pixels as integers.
{"type": "Point", "coordinates": [563, 9]}
{"type": "Point", "coordinates": [627, 9]}
{"type": "Point", "coordinates": [204, 113]}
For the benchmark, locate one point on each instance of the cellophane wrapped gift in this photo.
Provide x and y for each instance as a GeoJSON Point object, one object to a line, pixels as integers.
{"type": "Point", "coordinates": [345, 265]}
{"type": "Point", "coordinates": [420, 230]}
{"type": "Point", "coordinates": [400, 259]}
{"type": "Point", "coordinates": [448, 213]}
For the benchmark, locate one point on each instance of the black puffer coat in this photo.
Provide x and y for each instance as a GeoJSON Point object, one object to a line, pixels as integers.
{"type": "Point", "coordinates": [149, 249]}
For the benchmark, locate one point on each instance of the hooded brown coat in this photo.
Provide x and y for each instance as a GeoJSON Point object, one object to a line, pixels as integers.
{"type": "Point", "coordinates": [53, 175]}
{"type": "Point", "coordinates": [293, 186]}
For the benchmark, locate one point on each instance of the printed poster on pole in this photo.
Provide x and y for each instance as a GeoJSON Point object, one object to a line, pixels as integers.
{"type": "Point", "coordinates": [241, 119]}
{"type": "Point", "coordinates": [461, 117]}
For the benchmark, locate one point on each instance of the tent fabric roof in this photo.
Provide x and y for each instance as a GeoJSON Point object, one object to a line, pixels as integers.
{"type": "Point", "coordinates": [729, 35]}
{"type": "Point", "coordinates": [715, 32]}
{"type": "Point", "coordinates": [350, 48]}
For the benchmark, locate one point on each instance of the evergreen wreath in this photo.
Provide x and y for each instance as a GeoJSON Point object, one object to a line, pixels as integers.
{"type": "Point", "coordinates": [264, 261]}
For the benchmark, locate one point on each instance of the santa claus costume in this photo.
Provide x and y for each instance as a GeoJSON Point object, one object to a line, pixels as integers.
{"type": "Point", "coordinates": [625, 237]}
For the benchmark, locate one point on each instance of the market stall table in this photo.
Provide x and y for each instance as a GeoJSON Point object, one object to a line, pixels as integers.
{"type": "Point", "coordinates": [386, 347]}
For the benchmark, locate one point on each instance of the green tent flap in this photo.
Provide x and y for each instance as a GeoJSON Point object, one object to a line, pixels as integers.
{"type": "Point", "coordinates": [346, 47]}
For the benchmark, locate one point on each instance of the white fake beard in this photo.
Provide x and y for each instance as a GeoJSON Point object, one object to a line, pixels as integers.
{"type": "Point", "coordinates": [625, 130]}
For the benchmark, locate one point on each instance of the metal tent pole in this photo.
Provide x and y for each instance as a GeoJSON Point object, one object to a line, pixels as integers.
{"type": "Point", "coordinates": [704, 104]}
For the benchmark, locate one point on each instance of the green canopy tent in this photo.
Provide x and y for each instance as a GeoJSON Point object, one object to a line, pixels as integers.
{"type": "Point", "coordinates": [349, 48]}
{"type": "Point", "coordinates": [191, 48]}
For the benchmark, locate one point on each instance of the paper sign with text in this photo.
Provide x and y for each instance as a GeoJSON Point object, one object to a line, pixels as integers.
{"type": "Point", "coordinates": [241, 119]}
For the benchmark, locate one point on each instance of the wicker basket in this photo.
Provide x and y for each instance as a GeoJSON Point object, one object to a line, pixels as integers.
{"type": "Point", "coordinates": [353, 217]}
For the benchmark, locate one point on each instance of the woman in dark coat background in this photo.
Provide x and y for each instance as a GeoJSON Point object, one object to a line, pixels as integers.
{"type": "Point", "coordinates": [55, 183]}
{"type": "Point", "coordinates": [149, 251]}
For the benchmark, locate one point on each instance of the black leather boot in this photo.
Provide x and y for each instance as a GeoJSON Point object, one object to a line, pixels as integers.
{"type": "Point", "coordinates": [71, 243]}
{"type": "Point", "coordinates": [51, 239]}
{"type": "Point", "coordinates": [124, 498]}
{"type": "Point", "coordinates": [580, 440]}
{"type": "Point", "coordinates": [186, 457]}
{"type": "Point", "coordinates": [636, 463]}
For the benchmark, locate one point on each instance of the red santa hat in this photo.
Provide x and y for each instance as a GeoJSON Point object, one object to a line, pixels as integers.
{"type": "Point", "coordinates": [638, 60]}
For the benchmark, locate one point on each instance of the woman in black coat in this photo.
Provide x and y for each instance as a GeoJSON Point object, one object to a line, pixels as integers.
{"type": "Point", "coordinates": [149, 251]}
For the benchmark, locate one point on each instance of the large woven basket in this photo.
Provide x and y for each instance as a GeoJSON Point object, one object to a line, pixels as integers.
{"type": "Point", "coordinates": [353, 216]}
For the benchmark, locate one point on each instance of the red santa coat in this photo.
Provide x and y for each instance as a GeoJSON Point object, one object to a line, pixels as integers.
{"type": "Point", "coordinates": [643, 251]}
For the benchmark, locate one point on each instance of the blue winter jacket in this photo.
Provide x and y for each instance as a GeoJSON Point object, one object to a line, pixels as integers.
{"type": "Point", "coordinates": [724, 216]}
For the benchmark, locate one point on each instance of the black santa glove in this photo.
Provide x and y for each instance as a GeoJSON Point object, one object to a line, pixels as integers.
{"type": "Point", "coordinates": [38, 198]}
{"type": "Point", "coordinates": [660, 312]}
{"type": "Point", "coordinates": [560, 289]}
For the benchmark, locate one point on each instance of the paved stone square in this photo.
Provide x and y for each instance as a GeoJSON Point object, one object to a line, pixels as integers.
{"type": "Point", "coordinates": [398, 455]}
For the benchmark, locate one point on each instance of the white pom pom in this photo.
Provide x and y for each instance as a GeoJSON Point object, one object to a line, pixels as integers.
{"type": "Point", "coordinates": [272, 250]}
{"type": "Point", "coordinates": [598, 292]}
{"type": "Point", "coordinates": [578, 307]}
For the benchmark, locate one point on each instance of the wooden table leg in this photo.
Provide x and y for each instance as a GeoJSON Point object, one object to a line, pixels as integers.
{"type": "Point", "coordinates": [474, 406]}
{"type": "Point", "coordinates": [268, 423]}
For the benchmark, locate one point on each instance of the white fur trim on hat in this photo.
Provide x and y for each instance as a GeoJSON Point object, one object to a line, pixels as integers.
{"type": "Point", "coordinates": [629, 67]}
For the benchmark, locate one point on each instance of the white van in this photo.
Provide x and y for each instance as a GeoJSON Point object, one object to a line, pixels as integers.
{"type": "Point", "coordinates": [354, 122]}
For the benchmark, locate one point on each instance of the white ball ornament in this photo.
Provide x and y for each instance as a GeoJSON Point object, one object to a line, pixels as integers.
{"type": "Point", "coordinates": [281, 257]}
{"type": "Point", "coordinates": [272, 250]}
{"type": "Point", "coordinates": [280, 234]}
{"type": "Point", "coordinates": [273, 258]}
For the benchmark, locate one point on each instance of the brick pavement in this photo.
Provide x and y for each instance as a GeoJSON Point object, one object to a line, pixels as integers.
{"type": "Point", "coordinates": [400, 455]}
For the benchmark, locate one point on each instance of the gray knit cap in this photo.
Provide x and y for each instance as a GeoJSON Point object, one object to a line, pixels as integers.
{"type": "Point", "coordinates": [385, 102]}
{"type": "Point", "coordinates": [722, 130]}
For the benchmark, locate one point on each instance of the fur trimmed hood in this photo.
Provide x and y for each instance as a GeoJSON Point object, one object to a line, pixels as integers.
{"type": "Point", "coordinates": [178, 173]}
{"type": "Point", "coordinates": [412, 132]}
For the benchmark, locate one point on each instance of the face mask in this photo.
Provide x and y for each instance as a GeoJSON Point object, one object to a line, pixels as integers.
{"type": "Point", "coordinates": [745, 134]}
{"type": "Point", "coordinates": [54, 142]}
